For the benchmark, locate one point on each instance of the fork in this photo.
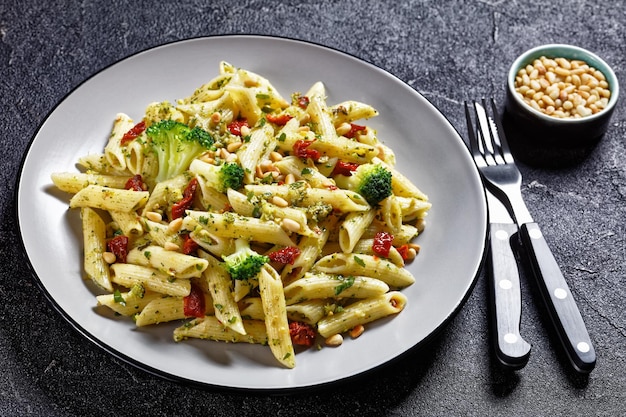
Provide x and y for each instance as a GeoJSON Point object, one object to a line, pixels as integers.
{"type": "Point", "coordinates": [496, 165]}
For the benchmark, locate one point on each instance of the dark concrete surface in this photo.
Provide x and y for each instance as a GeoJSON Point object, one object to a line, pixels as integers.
{"type": "Point", "coordinates": [450, 51]}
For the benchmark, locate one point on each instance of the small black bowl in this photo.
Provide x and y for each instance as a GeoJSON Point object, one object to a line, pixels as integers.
{"type": "Point", "coordinates": [543, 140]}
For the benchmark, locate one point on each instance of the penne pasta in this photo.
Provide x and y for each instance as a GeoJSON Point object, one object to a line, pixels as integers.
{"type": "Point", "coordinates": [280, 241]}
{"type": "Point", "coordinates": [365, 265]}
{"type": "Point", "coordinates": [128, 275]}
{"type": "Point", "coordinates": [319, 285]}
{"type": "Point", "coordinates": [240, 227]}
{"type": "Point", "coordinates": [94, 247]}
{"type": "Point", "coordinates": [72, 182]}
{"type": "Point", "coordinates": [276, 322]}
{"type": "Point", "coordinates": [172, 263]}
{"type": "Point", "coordinates": [220, 288]}
{"type": "Point", "coordinates": [362, 312]}
{"type": "Point", "coordinates": [212, 329]}
{"type": "Point", "coordinates": [106, 198]}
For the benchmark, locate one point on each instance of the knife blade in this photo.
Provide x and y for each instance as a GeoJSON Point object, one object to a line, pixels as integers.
{"type": "Point", "coordinates": [511, 350]}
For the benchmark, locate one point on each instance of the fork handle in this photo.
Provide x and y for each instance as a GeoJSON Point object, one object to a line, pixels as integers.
{"type": "Point", "coordinates": [506, 302]}
{"type": "Point", "coordinates": [558, 298]}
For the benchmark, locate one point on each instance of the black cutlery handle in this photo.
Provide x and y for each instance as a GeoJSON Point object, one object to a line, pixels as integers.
{"type": "Point", "coordinates": [511, 349]}
{"type": "Point", "coordinates": [558, 298]}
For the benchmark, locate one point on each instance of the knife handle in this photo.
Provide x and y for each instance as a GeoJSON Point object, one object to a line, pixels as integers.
{"type": "Point", "coordinates": [511, 349]}
{"type": "Point", "coordinates": [558, 298]}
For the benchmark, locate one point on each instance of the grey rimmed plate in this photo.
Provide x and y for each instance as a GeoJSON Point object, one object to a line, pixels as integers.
{"type": "Point", "coordinates": [429, 151]}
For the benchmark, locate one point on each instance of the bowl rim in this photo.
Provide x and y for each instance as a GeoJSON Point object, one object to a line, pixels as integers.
{"type": "Point", "coordinates": [568, 52]}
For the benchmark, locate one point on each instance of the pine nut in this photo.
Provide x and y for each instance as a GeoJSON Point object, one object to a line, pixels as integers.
{"type": "Point", "coordinates": [266, 165]}
{"type": "Point", "coordinates": [245, 131]}
{"type": "Point", "coordinates": [290, 225]}
{"type": "Point", "coordinates": [275, 156]}
{"type": "Point", "coordinates": [334, 340]}
{"type": "Point", "coordinates": [357, 331]}
{"type": "Point", "coordinates": [290, 179]}
{"type": "Point", "coordinates": [175, 225]}
{"type": "Point", "coordinates": [171, 246]}
{"type": "Point", "coordinates": [420, 224]}
{"type": "Point", "coordinates": [109, 257]}
{"type": "Point", "coordinates": [343, 128]}
{"type": "Point", "coordinates": [259, 172]}
{"type": "Point", "coordinates": [154, 216]}
{"type": "Point", "coordinates": [216, 117]}
{"type": "Point", "coordinates": [233, 146]}
{"type": "Point", "coordinates": [279, 201]}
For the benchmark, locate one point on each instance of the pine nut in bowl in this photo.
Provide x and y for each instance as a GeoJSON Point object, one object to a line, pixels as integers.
{"type": "Point", "coordinates": [559, 102]}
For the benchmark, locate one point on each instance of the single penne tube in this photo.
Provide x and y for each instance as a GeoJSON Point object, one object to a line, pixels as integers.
{"type": "Point", "coordinates": [390, 214]}
{"type": "Point", "coordinates": [276, 322]}
{"type": "Point", "coordinates": [210, 198]}
{"type": "Point", "coordinates": [253, 151]}
{"type": "Point", "coordinates": [362, 312]}
{"type": "Point", "coordinates": [73, 182]}
{"type": "Point", "coordinates": [128, 303]}
{"type": "Point", "coordinates": [141, 161]}
{"type": "Point", "coordinates": [316, 285]}
{"type": "Point", "coordinates": [243, 287]}
{"type": "Point", "coordinates": [205, 93]}
{"type": "Point", "coordinates": [244, 102]}
{"type": "Point", "coordinates": [106, 198]}
{"type": "Point", "coordinates": [215, 245]}
{"type": "Point", "coordinates": [233, 225]}
{"type": "Point", "coordinates": [161, 310]}
{"type": "Point", "coordinates": [172, 263]}
{"type": "Point", "coordinates": [310, 311]}
{"type": "Point", "coordinates": [251, 308]}
{"type": "Point", "coordinates": [114, 151]}
{"type": "Point", "coordinates": [94, 235]}
{"type": "Point", "coordinates": [128, 275]}
{"type": "Point", "coordinates": [220, 287]}
{"type": "Point", "coordinates": [128, 222]}
{"type": "Point", "coordinates": [213, 101]}
{"type": "Point", "coordinates": [320, 115]}
{"type": "Point", "coordinates": [353, 227]}
{"type": "Point", "coordinates": [240, 203]}
{"type": "Point", "coordinates": [365, 265]}
{"type": "Point", "coordinates": [346, 149]}
{"type": "Point", "coordinates": [295, 215]}
{"type": "Point", "coordinates": [97, 162]}
{"type": "Point", "coordinates": [211, 328]}
{"type": "Point", "coordinates": [413, 208]}
{"type": "Point", "coordinates": [350, 111]}
{"type": "Point", "coordinates": [299, 195]}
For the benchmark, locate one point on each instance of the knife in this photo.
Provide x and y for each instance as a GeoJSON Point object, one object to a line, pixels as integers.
{"type": "Point", "coordinates": [510, 348]}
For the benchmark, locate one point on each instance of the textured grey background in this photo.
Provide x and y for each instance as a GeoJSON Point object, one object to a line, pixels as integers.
{"type": "Point", "coordinates": [450, 51]}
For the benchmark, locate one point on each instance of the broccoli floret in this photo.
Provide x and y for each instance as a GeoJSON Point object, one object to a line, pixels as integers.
{"type": "Point", "coordinates": [176, 145]}
{"type": "Point", "coordinates": [225, 176]}
{"type": "Point", "coordinates": [244, 263]}
{"type": "Point", "coordinates": [372, 181]}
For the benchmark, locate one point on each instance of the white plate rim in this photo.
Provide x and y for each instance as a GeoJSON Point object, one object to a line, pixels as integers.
{"type": "Point", "coordinates": [285, 385]}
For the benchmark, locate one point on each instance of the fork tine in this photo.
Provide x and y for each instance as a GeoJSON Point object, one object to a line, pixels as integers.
{"type": "Point", "coordinates": [485, 135]}
{"type": "Point", "coordinates": [504, 144]}
{"type": "Point", "coordinates": [473, 140]}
